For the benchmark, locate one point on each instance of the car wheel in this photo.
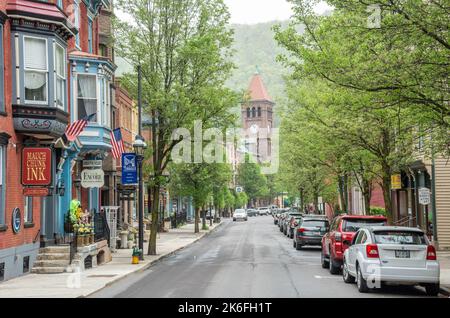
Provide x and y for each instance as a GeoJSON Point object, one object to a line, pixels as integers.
{"type": "Point", "coordinates": [323, 260]}
{"type": "Point", "coordinates": [432, 289]}
{"type": "Point", "coordinates": [294, 244]}
{"type": "Point", "coordinates": [349, 279]}
{"type": "Point", "coordinates": [361, 282]}
{"type": "Point", "coordinates": [234, 220]}
{"type": "Point", "coordinates": [298, 247]}
{"type": "Point", "coordinates": [246, 219]}
{"type": "Point", "coordinates": [334, 269]}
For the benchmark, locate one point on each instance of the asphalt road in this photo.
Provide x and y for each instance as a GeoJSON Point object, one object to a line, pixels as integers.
{"type": "Point", "coordinates": [243, 260]}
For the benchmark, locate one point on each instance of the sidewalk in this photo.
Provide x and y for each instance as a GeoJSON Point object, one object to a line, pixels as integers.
{"type": "Point", "coordinates": [444, 260]}
{"type": "Point", "coordinates": [72, 285]}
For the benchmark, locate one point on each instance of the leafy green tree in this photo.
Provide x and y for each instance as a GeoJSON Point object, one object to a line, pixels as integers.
{"type": "Point", "coordinates": [249, 176]}
{"type": "Point", "coordinates": [184, 51]}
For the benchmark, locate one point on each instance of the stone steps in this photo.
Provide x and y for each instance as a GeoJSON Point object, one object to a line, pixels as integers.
{"type": "Point", "coordinates": [53, 256]}
{"type": "Point", "coordinates": [52, 260]}
{"type": "Point", "coordinates": [48, 270]}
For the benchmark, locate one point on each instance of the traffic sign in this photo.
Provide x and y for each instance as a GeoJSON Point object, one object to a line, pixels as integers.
{"type": "Point", "coordinates": [424, 196]}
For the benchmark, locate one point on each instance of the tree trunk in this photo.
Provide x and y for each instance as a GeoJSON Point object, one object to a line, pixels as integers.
{"type": "Point", "coordinates": [197, 220]}
{"type": "Point", "coordinates": [155, 221]}
{"type": "Point", "coordinates": [386, 186]}
{"type": "Point", "coordinates": [204, 217]}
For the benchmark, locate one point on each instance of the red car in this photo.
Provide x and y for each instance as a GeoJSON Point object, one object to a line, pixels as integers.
{"type": "Point", "coordinates": [340, 235]}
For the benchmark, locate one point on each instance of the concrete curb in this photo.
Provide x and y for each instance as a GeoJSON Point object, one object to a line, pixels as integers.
{"type": "Point", "coordinates": [153, 262]}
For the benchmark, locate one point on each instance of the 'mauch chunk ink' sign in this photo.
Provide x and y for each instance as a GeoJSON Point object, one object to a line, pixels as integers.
{"type": "Point", "coordinates": [36, 166]}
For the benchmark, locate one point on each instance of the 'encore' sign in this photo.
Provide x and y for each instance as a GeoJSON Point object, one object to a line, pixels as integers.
{"type": "Point", "coordinates": [36, 166]}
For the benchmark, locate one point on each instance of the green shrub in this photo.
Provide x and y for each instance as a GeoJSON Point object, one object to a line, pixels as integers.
{"type": "Point", "coordinates": [377, 211]}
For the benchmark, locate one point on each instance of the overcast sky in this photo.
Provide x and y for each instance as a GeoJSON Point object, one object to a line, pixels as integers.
{"type": "Point", "coordinates": [257, 11]}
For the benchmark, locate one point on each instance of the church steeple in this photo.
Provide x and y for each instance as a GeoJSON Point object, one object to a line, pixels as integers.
{"type": "Point", "coordinates": [257, 90]}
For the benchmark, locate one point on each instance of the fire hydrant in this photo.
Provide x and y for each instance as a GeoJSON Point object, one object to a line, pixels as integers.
{"type": "Point", "coordinates": [136, 255]}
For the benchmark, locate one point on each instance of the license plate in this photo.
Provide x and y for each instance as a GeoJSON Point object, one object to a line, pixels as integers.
{"type": "Point", "coordinates": [402, 254]}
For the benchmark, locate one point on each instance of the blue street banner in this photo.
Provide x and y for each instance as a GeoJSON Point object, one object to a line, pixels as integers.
{"type": "Point", "coordinates": [129, 169]}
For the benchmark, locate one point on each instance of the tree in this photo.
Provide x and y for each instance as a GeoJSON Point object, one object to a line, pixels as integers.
{"type": "Point", "coordinates": [184, 50]}
{"type": "Point", "coordinates": [250, 178]}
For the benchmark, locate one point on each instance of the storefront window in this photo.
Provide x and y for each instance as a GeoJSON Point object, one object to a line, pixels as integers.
{"type": "Point", "coordinates": [28, 210]}
{"type": "Point", "coordinates": [60, 76]}
{"type": "Point", "coordinates": [36, 71]}
{"type": "Point", "coordinates": [87, 96]}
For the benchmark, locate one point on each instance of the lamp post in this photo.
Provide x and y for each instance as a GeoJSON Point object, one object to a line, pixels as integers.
{"type": "Point", "coordinates": [139, 146]}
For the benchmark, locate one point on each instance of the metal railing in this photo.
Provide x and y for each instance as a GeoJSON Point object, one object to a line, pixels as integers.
{"type": "Point", "coordinates": [406, 221]}
{"type": "Point", "coordinates": [178, 219]}
{"type": "Point", "coordinates": [101, 228]}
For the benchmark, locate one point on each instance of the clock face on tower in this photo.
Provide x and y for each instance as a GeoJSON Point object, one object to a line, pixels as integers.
{"type": "Point", "coordinates": [254, 128]}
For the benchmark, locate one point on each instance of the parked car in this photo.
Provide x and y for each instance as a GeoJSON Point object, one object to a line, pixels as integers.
{"type": "Point", "coordinates": [276, 217]}
{"type": "Point", "coordinates": [240, 214]}
{"type": "Point", "coordinates": [292, 224]}
{"type": "Point", "coordinates": [389, 254]}
{"type": "Point", "coordinates": [264, 211]}
{"type": "Point", "coordinates": [341, 233]}
{"type": "Point", "coordinates": [310, 231]}
{"type": "Point", "coordinates": [287, 219]}
{"type": "Point", "coordinates": [252, 212]}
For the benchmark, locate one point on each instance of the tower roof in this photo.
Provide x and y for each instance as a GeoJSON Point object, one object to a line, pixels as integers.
{"type": "Point", "coordinates": [257, 90]}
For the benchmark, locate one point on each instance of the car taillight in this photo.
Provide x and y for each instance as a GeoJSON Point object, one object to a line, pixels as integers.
{"type": "Point", "coordinates": [338, 237]}
{"type": "Point", "coordinates": [372, 251]}
{"type": "Point", "coordinates": [431, 253]}
{"type": "Point", "coordinates": [302, 230]}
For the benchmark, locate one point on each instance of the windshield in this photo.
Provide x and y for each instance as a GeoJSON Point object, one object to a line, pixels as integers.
{"type": "Point", "coordinates": [354, 225]}
{"type": "Point", "coordinates": [315, 223]}
{"type": "Point", "coordinates": [396, 237]}
{"type": "Point", "coordinates": [239, 211]}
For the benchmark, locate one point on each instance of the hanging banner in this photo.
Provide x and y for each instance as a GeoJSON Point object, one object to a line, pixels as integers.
{"type": "Point", "coordinates": [36, 166]}
{"type": "Point", "coordinates": [129, 169]}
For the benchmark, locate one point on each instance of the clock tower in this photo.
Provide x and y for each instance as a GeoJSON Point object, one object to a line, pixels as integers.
{"type": "Point", "coordinates": [257, 119]}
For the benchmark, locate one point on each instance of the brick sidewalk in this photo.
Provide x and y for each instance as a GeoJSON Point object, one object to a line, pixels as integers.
{"type": "Point", "coordinates": [82, 284]}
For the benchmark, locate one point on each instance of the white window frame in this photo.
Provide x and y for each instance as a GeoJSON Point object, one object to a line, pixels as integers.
{"type": "Point", "coordinates": [97, 90]}
{"type": "Point", "coordinates": [27, 208]}
{"type": "Point", "coordinates": [25, 69]}
{"type": "Point", "coordinates": [77, 17]}
{"type": "Point", "coordinates": [63, 78]}
{"type": "Point", "coordinates": [3, 185]}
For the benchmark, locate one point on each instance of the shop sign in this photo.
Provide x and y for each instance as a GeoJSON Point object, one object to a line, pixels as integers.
{"type": "Point", "coordinates": [16, 220]}
{"type": "Point", "coordinates": [36, 166]}
{"type": "Point", "coordinates": [424, 196]}
{"type": "Point", "coordinates": [396, 182]}
{"type": "Point", "coordinates": [129, 169]}
{"type": "Point", "coordinates": [92, 178]}
{"type": "Point", "coordinates": [92, 163]}
{"type": "Point", "coordinates": [239, 189]}
{"type": "Point", "coordinates": [36, 192]}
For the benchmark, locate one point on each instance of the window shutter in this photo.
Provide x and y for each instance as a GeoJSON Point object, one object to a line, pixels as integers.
{"type": "Point", "coordinates": [35, 54]}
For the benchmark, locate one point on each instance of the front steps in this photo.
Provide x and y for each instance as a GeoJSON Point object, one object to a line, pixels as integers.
{"type": "Point", "coordinates": [52, 260]}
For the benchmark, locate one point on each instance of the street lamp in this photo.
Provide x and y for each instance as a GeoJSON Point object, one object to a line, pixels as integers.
{"type": "Point", "coordinates": [139, 147]}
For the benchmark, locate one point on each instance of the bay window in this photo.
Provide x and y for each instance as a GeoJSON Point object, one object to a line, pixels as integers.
{"type": "Point", "coordinates": [36, 70]}
{"type": "Point", "coordinates": [87, 96]}
{"type": "Point", "coordinates": [2, 73]}
{"type": "Point", "coordinates": [60, 76]}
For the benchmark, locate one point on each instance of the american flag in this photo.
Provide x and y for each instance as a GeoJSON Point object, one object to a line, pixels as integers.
{"type": "Point", "coordinates": [117, 143]}
{"type": "Point", "coordinates": [75, 129]}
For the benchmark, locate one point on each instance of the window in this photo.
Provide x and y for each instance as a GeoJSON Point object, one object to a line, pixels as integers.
{"type": "Point", "coordinates": [90, 34]}
{"type": "Point", "coordinates": [2, 184]}
{"type": "Point", "coordinates": [26, 264]}
{"type": "Point", "coordinates": [2, 74]}
{"type": "Point", "coordinates": [253, 112]}
{"type": "Point", "coordinates": [76, 13]}
{"type": "Point", "coordinates": [103, 50]}
{"type": "Point", "coordinates": [259, 111]}
{"type": "Point", "coordinates": [248, 112]}
{"type": "Point", "coordinates": [87, 96]}
{"type": "Point", "coordinates": [59, 3]}
{"type": "Point", "coordinates": [2, 271]}
{"type": "Point", "coordinates": [60, 76]}
{"type": "Point", "coordinates": [28, 210]}
{"type": "Point", "coordinates": [36, 71]}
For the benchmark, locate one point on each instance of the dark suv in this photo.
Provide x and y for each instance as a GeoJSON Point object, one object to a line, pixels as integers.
{"type": "Point", "coordinates": [310, 231]}
{"type": "Point", "coordinates": [340, 236]}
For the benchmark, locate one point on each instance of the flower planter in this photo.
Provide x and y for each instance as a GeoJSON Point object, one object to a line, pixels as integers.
{"type": "Point", "coordinates": [92, 238]}
{"type": "Point", "coordinates": [87, 239]}
{"type": "Point", "coordinates": [80, 240]}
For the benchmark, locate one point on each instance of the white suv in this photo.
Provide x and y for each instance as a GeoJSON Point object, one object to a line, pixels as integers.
{"type": "Point", "coordinates": [263, 211]}
{"type": "Point", "coordinates": [389, 254]}
{"type": "Point", "coordinates": [240, 214]}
